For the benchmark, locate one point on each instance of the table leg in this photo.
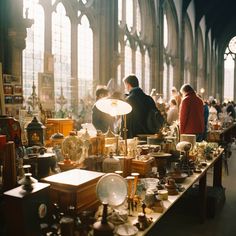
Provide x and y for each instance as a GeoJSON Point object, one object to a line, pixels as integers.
{"type": "Point", "coordinates": [202, 198]}
{"type": "Point", "coordinates": [217, 174]}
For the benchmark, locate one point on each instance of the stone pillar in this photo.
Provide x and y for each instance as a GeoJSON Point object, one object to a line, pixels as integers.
{"type": "Point", "coordinates": [157, 51]}
{"type": "Point", "coordinates": [48, 57]}
{"type": "Point", "coordinates": [108, 40]}
{"type": "Point", "coordinates": [15, 37]}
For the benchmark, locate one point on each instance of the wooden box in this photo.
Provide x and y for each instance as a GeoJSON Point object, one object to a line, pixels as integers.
{"type": "Point", "coordinates": [74, 188]}
{"type": "Point", "coordinates": [143, 167]}
{"type": "Point", "coordinates": [55, 125]}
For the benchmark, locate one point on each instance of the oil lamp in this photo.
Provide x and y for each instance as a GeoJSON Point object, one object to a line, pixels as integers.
{"type": "Point", "coordinates": [35, 133]}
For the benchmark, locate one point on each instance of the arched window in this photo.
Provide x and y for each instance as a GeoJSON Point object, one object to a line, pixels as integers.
{"type": "Point", "coordinates": [128, 58]}
{"type": "Point", "coordinates": [85, 58]}
{"type": "Point", "coordinates": [138, 70]}
{"type": "Point", "coordinates": [229, 68]}
{"type": "Point", "coordinates": [132, 58]}
{"type": "Point", "coordinates": [165, 32]}
{"type": "Point", "coordinates": [188, 46]}
{"type": "Point", "coordinates": [138, 19]}
{"type": "Point", "coordinates": [34, 51]}
{"type": "Point", "coordinates": [147, 72]}
{"type": "Point", "coordinates": [61, 49]}
{"type": "Point", "coordinates": [165, 80]}
{"type": "Point", "coordinates": [119, 72]}
{"type": "Point", "coordinates": [120, 8]}
{"type": "Point", "coordinates": [129, 14]}
{"type": "Point", "coordinates": [200, 53]}
{"type": "Point", "coordinates": [170, 40]}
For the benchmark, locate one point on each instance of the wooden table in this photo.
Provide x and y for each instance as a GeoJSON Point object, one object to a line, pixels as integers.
{"type": "Point", "coordinates": [216, 163]}
{"type": "Point", "coordinates": [222, 135]}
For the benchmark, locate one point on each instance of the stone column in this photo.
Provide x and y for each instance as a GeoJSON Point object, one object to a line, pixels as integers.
{"type": "Point", "coordinates": [108, 40]}
{"type": "Point", "coordinates": [48, 57]}
{"type": "Point", "coordinates": [15, 37]}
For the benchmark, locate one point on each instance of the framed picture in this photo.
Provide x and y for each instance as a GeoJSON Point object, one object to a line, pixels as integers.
{"type": "Point", "coordinates": [18, 99]}
{"type": "Point", "coordinates": [6, 79]}
{"type": "Point", "coordinates": [17, 89]}
{"type": "Point", "coordinates": [9, 99]}
{"type": "Point", "coordinates": [15, 79]}
{"type": "Point", "coordinates": [8, 89]}
{"type": "Point", "coordinates": [46, 90]}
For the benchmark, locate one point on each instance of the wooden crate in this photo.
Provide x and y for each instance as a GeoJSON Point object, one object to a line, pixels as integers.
{"type": "Point", "coordinates": [74, 188]}
{"type": "Point", "coordinates": [143, 167]}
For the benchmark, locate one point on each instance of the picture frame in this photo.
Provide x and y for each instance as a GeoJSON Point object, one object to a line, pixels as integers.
{"type": "Point", "coordinates": [46, 90]}
{"type": "Point", "coordinates": [9, 99]}
{"type": "Point", "coordinates": [17, 99]}
{"type": "Point", "coordinates": [8, 89]}
{"type": "Point", "coordinates": [6, 79]}
{"type": "Point", "coordinates": [15, 79]}
{"type": "Point", "coordinates": [17, 89]}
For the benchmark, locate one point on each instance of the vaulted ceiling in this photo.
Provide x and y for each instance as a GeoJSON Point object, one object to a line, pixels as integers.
{"type": "Point", "coordinates": [220, 17]}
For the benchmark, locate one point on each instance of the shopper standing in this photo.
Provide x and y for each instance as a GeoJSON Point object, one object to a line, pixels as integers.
{"type": "Point", "coordinates": [141, 104]}
{"type": "Point", "coordinates": [191, 114]}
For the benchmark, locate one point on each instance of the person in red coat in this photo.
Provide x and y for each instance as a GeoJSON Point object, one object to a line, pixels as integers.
{"type": "Point", "coordinates": [191, 113]}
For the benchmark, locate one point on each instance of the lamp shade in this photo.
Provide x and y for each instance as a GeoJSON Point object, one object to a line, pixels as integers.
{"type": "Point", "coordinates": [113, 107]}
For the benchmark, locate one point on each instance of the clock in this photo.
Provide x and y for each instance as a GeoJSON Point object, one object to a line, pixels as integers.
{"type": "Point", "coordinates": [232, 45]}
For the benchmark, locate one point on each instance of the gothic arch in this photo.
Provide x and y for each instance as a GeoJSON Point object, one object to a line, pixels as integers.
{"type": "Point", "coordinates": [188, 50]}
{"type": "Point", "coordinates": [200, 60]}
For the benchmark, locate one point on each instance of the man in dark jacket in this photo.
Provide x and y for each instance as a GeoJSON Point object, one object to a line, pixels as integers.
{"type": "Point", "coordinates": [141, 105]}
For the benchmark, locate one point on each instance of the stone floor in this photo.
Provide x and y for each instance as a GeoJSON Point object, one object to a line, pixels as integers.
{"type": "Point", "coordinates": [183, 218]}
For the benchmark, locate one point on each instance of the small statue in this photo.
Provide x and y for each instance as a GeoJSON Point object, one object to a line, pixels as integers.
{"type": "Point", "coordinates": [143, 221]}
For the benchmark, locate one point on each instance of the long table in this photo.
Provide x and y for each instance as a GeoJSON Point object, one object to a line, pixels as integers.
{"type": "Point", "coordinates": [216, 163]}
{"type": "Point", "coordinates": [223, 135]}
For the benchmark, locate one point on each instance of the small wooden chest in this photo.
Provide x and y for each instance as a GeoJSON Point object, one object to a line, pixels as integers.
{"type": "Point", "coordinates": [74, 188]}
{"type": "Point", "coordinates": [143, 167]}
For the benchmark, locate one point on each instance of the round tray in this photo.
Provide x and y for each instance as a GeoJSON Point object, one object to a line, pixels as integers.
{"type": "Point", "coordinates": [178, 177]}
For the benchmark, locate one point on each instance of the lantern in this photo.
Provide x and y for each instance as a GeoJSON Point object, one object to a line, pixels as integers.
{"type": "Point", "coordinates": [35, 133]}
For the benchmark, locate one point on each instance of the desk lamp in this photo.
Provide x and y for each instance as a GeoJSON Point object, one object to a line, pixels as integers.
{"type": "Point", "coordinates": [115, 107]}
